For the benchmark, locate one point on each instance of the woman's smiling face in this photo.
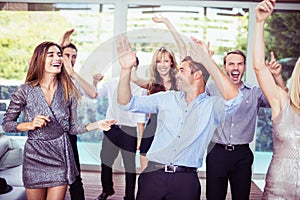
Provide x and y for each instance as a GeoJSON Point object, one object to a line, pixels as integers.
{"type": "Point", "coordinates": [54, 60]}
{"type": "Point", "coordinates": [163, 65]}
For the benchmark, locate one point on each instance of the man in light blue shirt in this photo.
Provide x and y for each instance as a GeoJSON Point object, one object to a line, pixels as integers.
{"type": "Point", "coordinates": [186, 122]}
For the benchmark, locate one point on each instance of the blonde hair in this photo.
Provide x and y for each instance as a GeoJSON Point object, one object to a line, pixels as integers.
{"type": "Point", "coordinates": [294, 91]}
{"type": "Point", "coordinates": [155, 78]}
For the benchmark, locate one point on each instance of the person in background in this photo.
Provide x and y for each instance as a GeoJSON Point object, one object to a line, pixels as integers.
{"type": "Point", "coordinates": [70, 54]}
{"type": "Point", "coordinates": [186, 122]}
{"type": "Point", "coordinates": [49, 101]}
{"type": "Point", "coordinates": [163, 69]}
{"type": "Point", "coordinates": [122, 137]}
{"type": "Point", "coordinates": [283, 176]}
{"type": "Point", "coordinates": [229, 156]}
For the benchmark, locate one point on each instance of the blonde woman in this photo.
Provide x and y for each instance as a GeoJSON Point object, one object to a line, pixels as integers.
{"type": "Point", "coordinates": [163, 69]}
{"type": "Point", "coordinates": [283, 176]}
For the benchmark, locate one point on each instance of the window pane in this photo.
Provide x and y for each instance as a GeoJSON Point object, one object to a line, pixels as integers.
{"type": "Point", "coordinates": [25, 25]}
{"type": "Point", "coordinates": [225, 28]}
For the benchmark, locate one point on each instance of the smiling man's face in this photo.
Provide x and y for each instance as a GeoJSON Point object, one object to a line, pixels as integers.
{"type": "Point", "coordinates": [235, 68]}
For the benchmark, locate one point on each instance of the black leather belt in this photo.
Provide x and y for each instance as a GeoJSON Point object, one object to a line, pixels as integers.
{"type": "Point", "coordinates": [231, 147]}
{"type": "Point", "coordinates": [170, 168]}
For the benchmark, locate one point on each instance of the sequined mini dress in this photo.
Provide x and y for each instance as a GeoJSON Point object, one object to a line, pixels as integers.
{"type": "Point", "coordinates": [48, 156]}
{"type": "Point", "coordinates": [283, 176]}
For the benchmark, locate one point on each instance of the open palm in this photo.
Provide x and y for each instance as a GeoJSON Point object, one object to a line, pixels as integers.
{"type": "Point", "coordinates": [127, 57]}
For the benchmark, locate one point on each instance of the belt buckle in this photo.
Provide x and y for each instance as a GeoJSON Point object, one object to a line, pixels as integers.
{"type": "Point", "coordinates": [229, 147]}
{"type": "Point", "coordinates": [170, 168]}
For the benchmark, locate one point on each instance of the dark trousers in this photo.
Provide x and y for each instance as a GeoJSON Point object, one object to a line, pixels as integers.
{"type": "Point", "coordinates": [119, 139]}
{"type": "Point", "coordinates": [76, 188]}
{"type": "Point", "coordinates": [223, 165]}
{"type": "Point", "coordinates": [160, 185]}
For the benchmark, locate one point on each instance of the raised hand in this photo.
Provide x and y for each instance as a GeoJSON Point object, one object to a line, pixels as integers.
{"type": "Point", "coordinates": [127, 57]}
{"type": "Point", "coordinates": [106, 124]}
{"type": "Point", "coordinates": [199, 50]}
{"type": "Point", "coordinates": [159, 19]}
{"type": "Point", "coordinates": [264, 9]}
{"type": "Point", "coordinates": [66, 40]}
{"type": "Point", "coordinates": [274, 67]}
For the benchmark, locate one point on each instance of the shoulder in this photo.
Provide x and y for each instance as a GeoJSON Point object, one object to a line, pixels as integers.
{"type": "Point", "coordinates": [24, 88]}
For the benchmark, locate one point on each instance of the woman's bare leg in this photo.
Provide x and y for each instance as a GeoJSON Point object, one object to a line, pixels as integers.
{"type": "Point", "coordinates": [36, 194]}
{"type": "Point", "coordinates": [57, 193]}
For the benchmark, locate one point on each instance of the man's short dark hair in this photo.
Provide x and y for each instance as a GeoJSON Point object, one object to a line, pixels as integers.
{"type": "Point", "coordinates": [71, 45]}
{"type": "Point", "coordinates": [196, 67]}
{"type": "Point", "coordinates": [239, 52]}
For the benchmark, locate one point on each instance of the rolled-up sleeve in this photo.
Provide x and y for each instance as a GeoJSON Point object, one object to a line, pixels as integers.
{"type": "Point", "coordinates": [233, 104]}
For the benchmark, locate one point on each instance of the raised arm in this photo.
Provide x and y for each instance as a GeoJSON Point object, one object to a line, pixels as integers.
{"type": "Point", "coordinates": [200, 53]}
{"type": "Point", "coordinates": [179, 41]}
{"type": "Point", "coordinates": [274, 93]}
{"type": "Point", "coordinates": [275, 68]}
{"type": "Point", "coordinates": [87, 88]}
{"type": "Point", "coordinates": [127, 59]}
{"type": "Point", "coordinates": [137, 80]}
{"type": "Point", "coordinates": [66, 38]}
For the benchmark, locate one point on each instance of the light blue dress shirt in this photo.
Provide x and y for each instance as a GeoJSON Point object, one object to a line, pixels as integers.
{"type": "Point", "coordinates": [183, 130]}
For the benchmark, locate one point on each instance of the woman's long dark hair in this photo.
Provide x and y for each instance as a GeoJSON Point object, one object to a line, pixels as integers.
{"type": "Point", "coordinates": [37, 69]}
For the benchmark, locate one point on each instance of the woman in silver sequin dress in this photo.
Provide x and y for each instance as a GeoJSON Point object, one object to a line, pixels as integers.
{"type": "Point", "coordinates": [49, 101]}
{"type": "Point", "coordinates": [283, 176]}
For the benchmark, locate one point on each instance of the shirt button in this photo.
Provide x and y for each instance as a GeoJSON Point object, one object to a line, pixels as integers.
{"type": "Point", "coordinates": [178, 136]}
{"type": "Point", "coordinates": [231, 136]}
{"type": "Point", "coordinates": [232, 124]}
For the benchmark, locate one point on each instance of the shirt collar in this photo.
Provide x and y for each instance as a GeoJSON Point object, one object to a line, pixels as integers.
{"type": "Point", "coordinates": [245, 85]}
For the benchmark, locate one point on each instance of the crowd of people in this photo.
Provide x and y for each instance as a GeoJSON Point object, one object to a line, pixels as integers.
{"type": "Point", "coordinates": [174, 119]}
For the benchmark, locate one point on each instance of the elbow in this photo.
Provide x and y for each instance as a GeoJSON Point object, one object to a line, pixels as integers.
{"type": "Point", "coordinates": [94, 95]}
{"type": "Point", "coordinates": [122, 101]}
{"type": "Point", "coordinates": [257, 64]}
{"type": "Point", "coordinates": [4, 128]}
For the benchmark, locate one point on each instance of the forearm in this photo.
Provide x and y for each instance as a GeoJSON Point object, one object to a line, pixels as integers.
{"type": "Point", "coordinates": [258, 46]}
{"type": "Point", "coordinates": [280, 82]}
{"type": "Point", "coordinates": [87, 88]}
{"type": "Point", "coordinates": [227, 89]}
{"type": "Point", "coordinates": [179, 41]}
{"type": "Point", "coordinates": [137, 80]}
{"type": "Point", "coordinates": [124, 90]}
{"type": "Point", "coordinates": [92, 126]}
{"type": "Point", "coordinates": [25, 126]}
{"type": "Point", "coordinates": [140, 129]}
